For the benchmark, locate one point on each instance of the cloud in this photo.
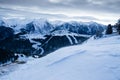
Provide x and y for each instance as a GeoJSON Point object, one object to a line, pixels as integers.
{"type": "Point", "coordinates": [56, 1]}
{"type": "Point", "coordinates": [84, 9]}
{"type": "Point", "coordinates": [94, 5]}
{"type": "Point", "coordinates": [85, 17]}
{"type": "Point", "coordinates": [23, 13]}
{"type": "Point", "coordinates": [106, 6]}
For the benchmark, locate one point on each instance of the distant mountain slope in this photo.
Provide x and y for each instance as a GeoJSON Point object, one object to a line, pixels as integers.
{"type": "Point", "coordinates": [43, 27]}
{"type": "Point", "coordinates": [89, 28]}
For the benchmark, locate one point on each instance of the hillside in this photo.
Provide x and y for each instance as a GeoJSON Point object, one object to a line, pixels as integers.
{"type": "Point", "coordinates": [93, 60]}
{"type": "Point", "coordinates": [40, 37]}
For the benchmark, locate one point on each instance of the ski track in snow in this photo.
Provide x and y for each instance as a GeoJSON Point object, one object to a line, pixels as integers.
{"type": "Point", "coordinates": [66, 58]}
{"type": "Point", "coordinates": [74, 39]}
{"type": "Point", "coordinates": [48, 40]}
{"type": "Point", "coordinates": [42, 51]}
{"type": "Point", "coordinates": [70, 40]}
{"type": "Point", "coordinates": [36, 45]}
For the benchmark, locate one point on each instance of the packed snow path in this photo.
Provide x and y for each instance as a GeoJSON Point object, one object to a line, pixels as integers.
{"type": "Point", "coordinates": [94, 60]}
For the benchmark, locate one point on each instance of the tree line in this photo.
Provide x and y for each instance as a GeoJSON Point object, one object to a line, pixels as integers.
{"type": "Point", "coordinates": [116, 27]}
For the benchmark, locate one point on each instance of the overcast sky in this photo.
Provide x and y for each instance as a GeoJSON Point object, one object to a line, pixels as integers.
{"type": "Point", "coordinates": [104, 11]}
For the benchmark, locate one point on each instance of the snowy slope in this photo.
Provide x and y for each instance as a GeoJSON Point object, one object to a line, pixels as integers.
{"type": "Point", "coordinates": [93, 60]}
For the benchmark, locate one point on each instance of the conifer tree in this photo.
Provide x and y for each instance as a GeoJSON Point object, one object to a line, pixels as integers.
{"type": "Point", "coordinates": [118, 26]}
{"type": "Point", "coordinates": [109, 29]}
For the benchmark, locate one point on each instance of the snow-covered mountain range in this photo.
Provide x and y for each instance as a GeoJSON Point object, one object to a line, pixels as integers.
{"type": "Point", "coordinates": [44, 26]}
{"type": "Point", "coordinates": [40, 37]}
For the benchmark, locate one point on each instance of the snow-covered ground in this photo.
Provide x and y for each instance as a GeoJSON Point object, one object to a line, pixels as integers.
{"type": "Point", "coordinates": [94, 60]}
